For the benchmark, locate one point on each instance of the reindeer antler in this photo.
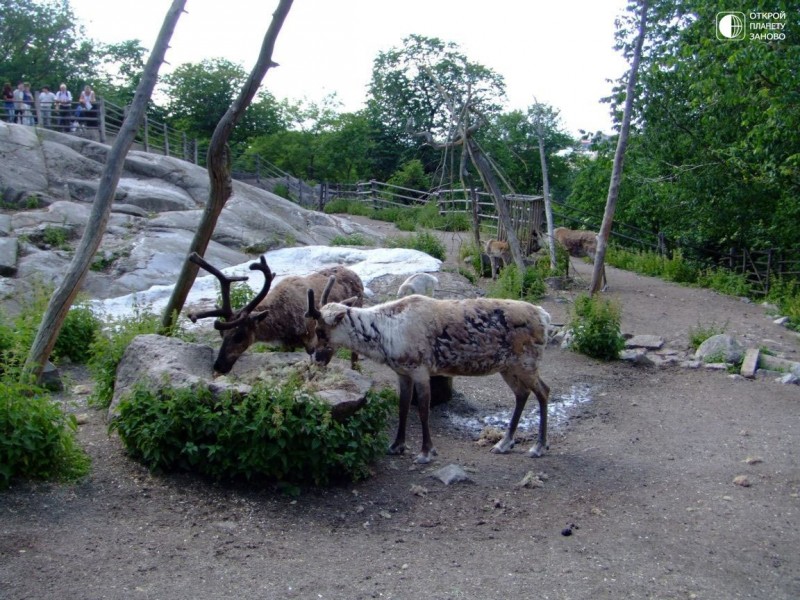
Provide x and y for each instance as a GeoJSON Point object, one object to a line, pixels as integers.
{"type": "Point", "coordinates": [245, 312]}
{"type": "Point", "coordinates": [224, 282]}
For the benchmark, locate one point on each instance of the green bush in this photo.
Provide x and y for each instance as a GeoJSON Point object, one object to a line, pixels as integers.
{"type": "Point", "coordinates": [595, 325]}
{"type": "Point", "coordinates": [725, 282]}
{"type": "Point", "coordinates": [354, 239]}
{"type": "Point", "coordinates": [700, 333]}
{"type": "Point", "coordinates": [241, 294]}
{"type": "Point", "coordinates": [17, 333]}
{"type": "Point", "coordinates": [108, 347]}
{"type": "Point", "coordinates": [424, 242]}
{"type": "Point", "coordinates": [37, 439]}
{"type": "Point", "coordinates": [786, 294]}
{"type": "Point", "coordinates": [77, 334]}
{"type": "Point", "coordinates": [529, 287]}
{"type": "Point", "coordinates": [349, 207]}
{"type": "Point", "coordinates": [279, 433]}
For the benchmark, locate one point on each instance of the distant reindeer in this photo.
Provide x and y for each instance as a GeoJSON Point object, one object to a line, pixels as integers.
{"type": "Point", "coordinates": [579, 243]}
{"type": "Point", "coordinates": [275, 317]}
{"type": "Point", "coordinates": [419, 337]}
{"type": "Point", "coordinates": [496, 249]}
{"type": "Point", "coordinates": [419, 283]}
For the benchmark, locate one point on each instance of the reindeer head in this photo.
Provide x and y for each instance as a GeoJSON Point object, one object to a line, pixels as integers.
{"type": "Point", "coordinates": [238, 329]}
{"type": "Point", "coordinates": [324, 349]}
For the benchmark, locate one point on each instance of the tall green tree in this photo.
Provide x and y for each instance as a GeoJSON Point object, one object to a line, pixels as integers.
{"type": "Point", "coordinates": [41, 42]}
{"type": "Point", "coordinates": [119, 70]}
{"type": "Point", "coordinates": [404, 93]}
{"type": "Point", "coordinates": [715, 150]}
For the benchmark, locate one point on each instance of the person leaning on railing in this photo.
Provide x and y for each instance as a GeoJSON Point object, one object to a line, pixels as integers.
{"type": "Point", "coordinates": [63, 107]}
{"type": "Point", "coordinates": [84, 111]}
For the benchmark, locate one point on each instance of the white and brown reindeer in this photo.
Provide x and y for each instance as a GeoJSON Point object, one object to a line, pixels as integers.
{"type": "Point", "coordinates": [579, 243]}
{"type": "Point", "coordinates": [278, 316]}
{"type": "Point", "coordinates": [419, 337]}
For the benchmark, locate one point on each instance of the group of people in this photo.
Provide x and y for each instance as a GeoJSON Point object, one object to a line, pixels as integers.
{"type": "Point", "coordinates": [53, 110]}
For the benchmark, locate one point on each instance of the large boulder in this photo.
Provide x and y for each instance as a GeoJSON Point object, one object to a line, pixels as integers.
{"type": "Point", "coordinates": [49, 179]}
{"type": "Point", "coordinates": [157, 362]}
{"type": "Point", "coordinates": [720, 348]}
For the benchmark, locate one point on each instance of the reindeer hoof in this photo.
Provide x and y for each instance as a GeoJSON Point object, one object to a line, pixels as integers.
{"type": "Point", "coordinates": [504, 446]}
{"type": "Point", "coordinates": [537, 450]}
{"type": "Point", "coordinates": [396, 449]}
{"type": "Point", "coordinates": [423, 458]}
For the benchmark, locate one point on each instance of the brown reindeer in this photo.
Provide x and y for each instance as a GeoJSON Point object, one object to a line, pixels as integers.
{"type": "Point", "coordinates": [579, 243]}
{"type": "Point", "coordinates": [277, 316]}
{"type": "Point", "coordinates": [496, 249]}
{"type": "Point", "coordinates": [419, 337]}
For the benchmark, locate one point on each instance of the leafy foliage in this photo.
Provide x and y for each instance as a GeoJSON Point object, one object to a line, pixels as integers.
{"type": "Point", "coordinates": [109, 346]}
{"type": "Point", "coordinates": [424, 242]}
{"type": "Point", "coordinates": [37, 439]}
{"type": "Point", "coordinates": [77, 333]}
{"type": "Point", "coordinates": [354, 239]}
{"type": "Point", "coordinates": [274, 432]}
{"type": "Point", "coordinates": [530, 286]}
{"type": "Point", "coordinates": [700, 333]}
{"type": "Point", "coordinates": [595, 325]}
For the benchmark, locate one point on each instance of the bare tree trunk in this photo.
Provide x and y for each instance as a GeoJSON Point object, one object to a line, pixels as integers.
{"type": "Point", "coordinates": [548, 208]}
{"type": "Point", "coordinates": [219, 168]}
{"type": "Point", "coordinates": [487, 175]}
{"type": "Point", "coordinates": [62, 298]}
{"type": "Point", "coordinates": [619, 158]}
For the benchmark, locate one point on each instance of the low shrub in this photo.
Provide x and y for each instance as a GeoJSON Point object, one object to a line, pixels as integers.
{"type": "Point", "coordinates": [529, 287]}
{"type": "Point", "coordinates": [424, 242]}
{"type": "Point", "coordinates": [279, 433]}
{"type": "Point", "coordinates": [354, 239]}
{"type": "Point", "coordinates": [108, 347]}
{"type": "Point", "coordinates": [37, 439]}
{"type": "Point", "coordinates": [700, 333]}
{"type": "Point", "coordinates": [595, 325]}
{"type": "Point", "coordinates": [77, 333]}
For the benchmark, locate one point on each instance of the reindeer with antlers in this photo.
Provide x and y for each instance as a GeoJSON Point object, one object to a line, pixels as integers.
{"type": "Point", "coordinates": [275, 317]}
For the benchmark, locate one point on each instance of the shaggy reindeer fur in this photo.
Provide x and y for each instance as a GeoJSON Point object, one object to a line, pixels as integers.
{"type": "Point", "coordinates": [419, 283]}
{"type": "Point", "coordinates": [418, 337]}
{"type": "Point", "coordinates": [280, 317]}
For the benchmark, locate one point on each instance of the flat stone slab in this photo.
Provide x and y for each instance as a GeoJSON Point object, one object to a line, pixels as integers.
{"type": "Point", "coordinates": [750, 363]}
{"type": "Point", "coordinates": [650, 342]}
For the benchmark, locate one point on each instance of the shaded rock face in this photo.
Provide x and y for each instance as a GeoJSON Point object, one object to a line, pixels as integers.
{"type": "Point", "coordinates": [157, 362]}
{"type": "Point", "coordinates": [720, 348]}
{"type": "Point", "coordinates": [49, 181]}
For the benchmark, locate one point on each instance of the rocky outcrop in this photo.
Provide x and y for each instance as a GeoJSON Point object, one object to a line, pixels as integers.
{"type": "Point", "coordinates": [157, 362]}
{"type": "Point", "coordinates": [49, 180]}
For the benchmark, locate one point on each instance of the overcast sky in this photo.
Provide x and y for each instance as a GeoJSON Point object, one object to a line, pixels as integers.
{"type": "Point", "coordinates": [559, 52]}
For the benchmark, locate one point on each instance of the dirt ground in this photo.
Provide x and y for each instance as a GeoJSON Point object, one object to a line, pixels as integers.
{"type": "Point", "coordinates": [640, 473]}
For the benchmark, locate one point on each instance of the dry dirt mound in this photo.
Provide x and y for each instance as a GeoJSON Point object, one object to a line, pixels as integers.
{"type": "Point", "coordinates": [659, 483]}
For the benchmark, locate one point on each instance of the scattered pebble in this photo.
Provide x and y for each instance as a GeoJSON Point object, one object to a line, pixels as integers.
{"type": "Point", "coordinates": [741, 480]}
{"type": "Point", "coordinates": [753, 460]}
{"type": "Point", "coordinates": [418, 490]}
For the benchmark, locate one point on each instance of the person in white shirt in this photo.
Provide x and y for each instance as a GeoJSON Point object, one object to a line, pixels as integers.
{"type": "Point", "coordinates": [63, 107]}
{"type": "Point", "coordinates": [46, 100]}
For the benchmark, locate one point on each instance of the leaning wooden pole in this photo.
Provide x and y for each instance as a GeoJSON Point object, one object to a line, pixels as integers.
{"type": "Point", "coordinates": [219, 168]}
{"type": "Point", "coordinates": [63, 297]}
{"type": "Point", "coordinates": [619, 158]}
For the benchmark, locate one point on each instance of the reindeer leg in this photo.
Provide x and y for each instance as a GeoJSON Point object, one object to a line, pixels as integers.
{"type": "Point", "coordinates": [521, 393]}
{"type": "Point", "coordinates": [406, 389]}
{"type": "Point", "coordinates": [423, 389]}
{"type": "Point", "coordinates": [542, 392]}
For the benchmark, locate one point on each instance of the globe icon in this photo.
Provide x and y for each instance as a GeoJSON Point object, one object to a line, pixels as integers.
{"type": "Point", "coordinates": [731, 26]}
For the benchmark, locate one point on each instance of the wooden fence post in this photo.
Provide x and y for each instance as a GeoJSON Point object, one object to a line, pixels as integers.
{"type": "Point", "coordinates": [101, 120]}
{"type": "Point", "coordinates": [373, 192]}
{"type": "Point", "coordinates": [146, 135]}
{"type": "Point", "coordinates": [166, 140]}
{"type": "Point", "coordinates": [258, 169]}
{"type": "Point", "coordinates": [185, 147]}
{"type": "Point", "coordinates": [194, 143]}
{"type": "Point", "coordinates": [476, 216]}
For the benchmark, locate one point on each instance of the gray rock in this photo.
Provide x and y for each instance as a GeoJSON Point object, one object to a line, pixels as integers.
{"type": "Point", "coordinates": [156, 362]}
{"type": "Point", "coordinates": [637, 356]}
{"type": "Point", "coordinates": [650, 342]}
{"type": "Point", "coordinates": [8, 256]}
{"type": "Point", "coordinates": [49, 178]}
{"type": "Point", "coordinates": [451, 474]}
{"type": "Point", "coordinates": [720, 348]}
